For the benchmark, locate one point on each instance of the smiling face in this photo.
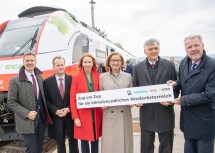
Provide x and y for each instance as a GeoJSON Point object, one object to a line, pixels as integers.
{"type": "Point", "coordinates": [59, 66]}
{"type": "Point", "coordinates": [152, 52]}
{"type": "Point", "coordinates": [87, 63]}
{"type": "Point", "coordinates": [115, 62]}
{"type": "Point", "coordinates": [194, 48]}
{"type": "Point", "coordinates": [29, 62]}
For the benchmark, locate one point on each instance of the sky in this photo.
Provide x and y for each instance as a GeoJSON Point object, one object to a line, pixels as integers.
{"type": "Point", "coordinates": [132, 22]}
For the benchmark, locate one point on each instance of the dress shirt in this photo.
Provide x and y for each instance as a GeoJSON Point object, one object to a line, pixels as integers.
{"type": "Point", "coordinates": [30, 79]}
{"type": "Point", "coordinates": [197, 63]}
{"type": "Point", "coordinates": [58, 81]}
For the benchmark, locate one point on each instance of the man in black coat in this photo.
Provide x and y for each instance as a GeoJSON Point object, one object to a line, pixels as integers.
{"type": "Point", "coordinates": [197, 85]}
{"type": "Point", "coordinates": [156, 117]}
{"type": "Point", "coordinates": [57, 92]}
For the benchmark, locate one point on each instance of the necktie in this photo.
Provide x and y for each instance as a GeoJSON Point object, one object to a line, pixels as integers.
{"type": "Point", "coordinates": [61, 87]}
{"type": "Point", "coordinates": [153, 66]}
{"type": "Point", "coordinates": [193, 67]}
{"type": "Point", "coordinates": [34, 85]}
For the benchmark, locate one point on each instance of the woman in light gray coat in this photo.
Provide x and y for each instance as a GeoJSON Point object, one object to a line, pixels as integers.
{"type": "Point", "coordinates": [117, 130]}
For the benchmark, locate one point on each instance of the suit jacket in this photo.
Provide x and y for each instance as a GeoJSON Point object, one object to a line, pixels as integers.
{"type": "Point", "coordinates": [129, 69]}
{"type": "Point", "coordinates": [21, 100]}
{"type": "Point", "coordinates": [156, 117]}
{"type": "Point", "coordinates": [197, 98]}
{"type": "Point", "coordinates": [85, 132]}
{"type": "Point", "coordinates": [55, 100]}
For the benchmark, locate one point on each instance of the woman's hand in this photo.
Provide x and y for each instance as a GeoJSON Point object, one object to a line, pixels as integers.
{"type": "Point", "coordinates": [77, 122]}
{"type": "Point", "coordinates": [139, 104]}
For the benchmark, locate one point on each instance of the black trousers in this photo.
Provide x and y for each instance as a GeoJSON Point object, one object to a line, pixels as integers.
{"type": "Point", "coordinates": [148, 138]}
{"type": "Point", "coordinates": [34, 141]}
{"type": "Point", "coordinates": [86, 149]}
{"type": "Point", "coordinates": [65, 127]}
{"type": "Point", "coordinates": [94, 144]}
{"type": "Point", "coordinates": [198, 146]}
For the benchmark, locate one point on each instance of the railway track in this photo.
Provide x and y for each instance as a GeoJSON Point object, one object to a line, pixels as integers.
{"type": "Point", "coordinates": [17, 146]}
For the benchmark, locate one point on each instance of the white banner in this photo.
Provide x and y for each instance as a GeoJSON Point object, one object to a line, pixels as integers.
{"type": "Point", "coordinates": [125, 96]}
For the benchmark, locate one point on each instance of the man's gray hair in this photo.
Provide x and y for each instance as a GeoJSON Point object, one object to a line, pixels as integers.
{"type": "Point", "coordinates": [194, 36]}
{"type": "Point", "coordinates": [151, 41]}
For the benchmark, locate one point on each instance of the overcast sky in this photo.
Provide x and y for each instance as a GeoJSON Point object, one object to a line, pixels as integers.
{"type": "Point", "coordinates": [132, 22]}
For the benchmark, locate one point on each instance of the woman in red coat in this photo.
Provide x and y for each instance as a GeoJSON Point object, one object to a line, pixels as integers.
{"type": "Point", "coordinates": [87, 121]}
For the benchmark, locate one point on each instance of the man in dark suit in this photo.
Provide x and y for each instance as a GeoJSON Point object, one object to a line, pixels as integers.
{"type": "Point", "coordinates": [129, 68]}
{"type": "Point", "coordinates": [156, 117]}
{"type": "Point", "coordinates": [197, 85]}
{"type": "Point", "coordinates": [57, 91]}
{"type": "Point", "coordinates": [27, 100]}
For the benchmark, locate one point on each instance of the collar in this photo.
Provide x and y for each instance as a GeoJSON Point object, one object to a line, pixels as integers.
{"type": "Point", "coordinates": [57, 77]}
{"type": "Point", "coordinates": [197, 63]}
{"type": "Point", "coordinates": [22, 75]}
{"type": "Point", "coordinates": [153, 62]}
{"type": "Point", "coordinates": [28, 74]}
{"type": "Point", "coordinates": [116, 74]}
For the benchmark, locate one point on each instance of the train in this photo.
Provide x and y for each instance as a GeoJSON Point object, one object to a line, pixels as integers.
{"type": "Point", "coordinates": [48, 32]}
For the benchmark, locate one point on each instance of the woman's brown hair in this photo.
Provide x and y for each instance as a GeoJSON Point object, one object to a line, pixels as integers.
{"type": "Point", "coordinates": [110, 56]}
{"type": "Point", "coordinates": [95, 65]}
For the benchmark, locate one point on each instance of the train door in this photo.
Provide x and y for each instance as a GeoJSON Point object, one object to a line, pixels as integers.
{"type": "Point", "coordinates": [78, 45]}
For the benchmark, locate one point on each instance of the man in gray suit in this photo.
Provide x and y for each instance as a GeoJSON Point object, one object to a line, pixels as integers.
{"type": "Point", "coordinates": [156, 117]}
{"type": "Point", "coordinates": [27, 100]}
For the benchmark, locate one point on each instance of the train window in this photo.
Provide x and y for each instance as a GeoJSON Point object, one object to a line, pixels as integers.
{"type": "Point", "coordinates": [109, 50]}
{"type": "Point", "coordinates": [100, 56]}
{"type": "Point", "coordinates": [112, 50]}
{"type": "Point", "coordinates": [85, 44]}
{"type": "Point", "coordinates": [81, 45]}
{"type": "Point", "coordinates": [16, 37]}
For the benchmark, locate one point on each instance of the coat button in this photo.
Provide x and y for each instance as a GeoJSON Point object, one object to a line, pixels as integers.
{"type": "Point", "coordinates": [111, 111]}
{"type": "Point", "coordinates": [121, 111]}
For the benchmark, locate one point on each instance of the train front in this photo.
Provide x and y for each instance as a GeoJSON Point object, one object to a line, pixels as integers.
{"type": "Point", "coordinates": [37, 29]}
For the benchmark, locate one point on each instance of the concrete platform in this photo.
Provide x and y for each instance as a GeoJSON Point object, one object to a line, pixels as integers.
{"type": "Point", "coordinates": [178, 139]}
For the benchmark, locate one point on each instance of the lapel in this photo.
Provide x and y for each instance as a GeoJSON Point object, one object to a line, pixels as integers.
{"type": "Point", "coordinates": [40, 84]}
{"type": "Point", "coordinates": [160, 69]}
{"type": "Point", "coordinates": [67, 85]}
{"type": "Point", "coordinates": [55, 86]}
{"type": "Point", "coordinates": [95, 80]}
{"type": "Point", "coordinates": [83, 81]}
{"type": "Point", "coordinates": [146, 71]}
{"type": "Point", "coordinates": [187, 66]}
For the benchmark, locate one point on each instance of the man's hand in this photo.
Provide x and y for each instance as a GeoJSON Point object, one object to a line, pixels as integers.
{"type": "Point", "coordinates": [32, 115]}
{"type": "Point", "coordinates": [172, 83]}
{"type": "Point", "coordinates": [59, 113]}
{"type": "Point", "coordinates": [65, 111]}
{"type": "Point", "coordinates": [166, 103]}
{"type": "Point", "coordinates": [177, 101]}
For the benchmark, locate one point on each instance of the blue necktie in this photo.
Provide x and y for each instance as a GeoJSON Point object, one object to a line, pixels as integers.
{"type": "Point", "coordinates": [193, 67]}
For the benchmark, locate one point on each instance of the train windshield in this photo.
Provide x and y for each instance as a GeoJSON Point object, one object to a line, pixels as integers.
{"type": "Point", "coordinates": [20, 35]}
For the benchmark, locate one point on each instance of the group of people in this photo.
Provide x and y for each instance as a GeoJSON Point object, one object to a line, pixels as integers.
{"type": "Point", "coordinates": [35, 102]}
